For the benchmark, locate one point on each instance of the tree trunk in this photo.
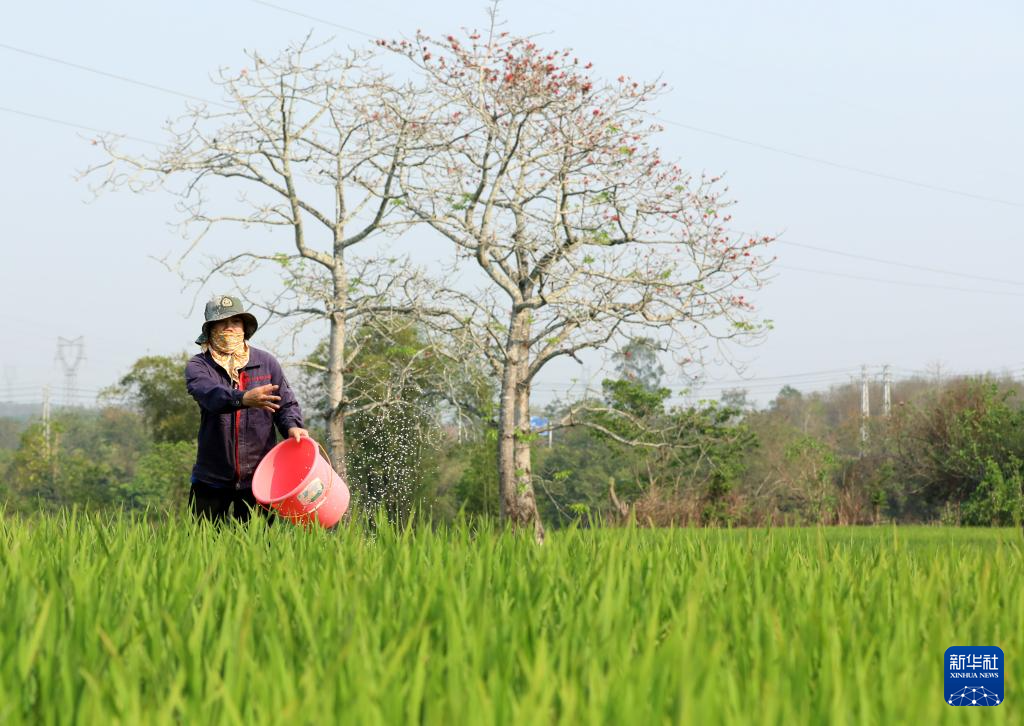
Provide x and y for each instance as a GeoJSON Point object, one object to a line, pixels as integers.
{"type": "Point", "coordinates": [518, 504]}
{"type": "Point", "coordinates": [336, 372]}
{"type": "Point", "coordinates": [522, 454]}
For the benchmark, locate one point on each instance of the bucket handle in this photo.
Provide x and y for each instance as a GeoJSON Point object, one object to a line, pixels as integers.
{"type": "Point", "coordinates": [326, 455]}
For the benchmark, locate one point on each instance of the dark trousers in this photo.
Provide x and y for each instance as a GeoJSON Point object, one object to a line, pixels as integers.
{"type": "Point", "coordinates": [212, 503]}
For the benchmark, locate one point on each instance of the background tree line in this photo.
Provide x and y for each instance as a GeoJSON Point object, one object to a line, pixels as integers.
{"type": "Point", "coordinates": [951, 451]}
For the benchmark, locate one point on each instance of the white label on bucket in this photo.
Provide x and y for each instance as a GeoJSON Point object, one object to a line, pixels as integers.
{"type": "Point", "coordinates": [313, 491]}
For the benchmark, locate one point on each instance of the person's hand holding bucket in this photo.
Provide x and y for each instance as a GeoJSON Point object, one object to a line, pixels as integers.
{"type": "Point", "coordinates": [297, 433]}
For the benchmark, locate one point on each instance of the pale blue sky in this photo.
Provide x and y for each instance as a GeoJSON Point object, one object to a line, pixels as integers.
{"type": "Point", "coordinates": [926, 91]}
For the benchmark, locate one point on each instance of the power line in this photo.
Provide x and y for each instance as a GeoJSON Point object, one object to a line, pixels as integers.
{"type": "Point", "coordinates": [770, 385]}
{"type": "Point", "coordinates": [908, 374]}
{"type": "Point", "coordinates": [807, 377]}
{"type": "Point", "coordinates": [315, 19]}
{"type": "Point", "coordinates": [906, 265]}
{"type": "Point", "coordinates": [839, 376]}
{"type": "Point", "coordinates": [115, 76]}
{"type": "Point", "coordinates": [80, 392]}
{"type": "Point", "coordinates": [690, 127]}
{"type": "Point", "coordinates": [846, 167]}
{"type": "Point", "coordinates": [26, 397]}
{"type": "Point", "coordinates": [737, 139]}
{"type": "Point", "coordinates": [897, 282]}
{"type": "Point", "coordinates": [784, 242]}
{"type": "Point", "coordinates": [883, 261]}
{"type": "Point", "coordinates": [753, 387]}
{"type": "Point", "coordinates": [74, 125]}
{"type": "Point", "coordinates": [808, 374]}
{"type": "Point", "coordinates": [919, 373]}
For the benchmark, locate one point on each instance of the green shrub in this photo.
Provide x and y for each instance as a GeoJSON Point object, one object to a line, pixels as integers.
{"type": "Point", "coordinates": [997, 501]}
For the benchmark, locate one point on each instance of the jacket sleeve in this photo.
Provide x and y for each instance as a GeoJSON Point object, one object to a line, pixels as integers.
{"type": "Point", "coordinates": [289, 415]}
{"type": "Point", "coordinates": [209, 390]}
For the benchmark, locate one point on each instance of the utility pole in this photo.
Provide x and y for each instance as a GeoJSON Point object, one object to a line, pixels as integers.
{"type": "Point", "coordinates": [865, 407]}
{"type": "Point", "coordinates": [886, 392]}
{"type": "Point", "coordinates": [70, 353]}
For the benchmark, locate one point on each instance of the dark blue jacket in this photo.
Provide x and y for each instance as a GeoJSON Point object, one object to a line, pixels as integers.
{"type": "Point", "coordinates": [233, 439]}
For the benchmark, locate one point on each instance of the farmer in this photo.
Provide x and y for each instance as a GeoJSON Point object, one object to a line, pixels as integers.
{"type": "Point", "coordinates": [242, 395]}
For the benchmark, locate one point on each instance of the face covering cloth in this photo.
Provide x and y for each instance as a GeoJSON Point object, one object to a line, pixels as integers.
{"type": "Point", "coordinates": [229, 349]}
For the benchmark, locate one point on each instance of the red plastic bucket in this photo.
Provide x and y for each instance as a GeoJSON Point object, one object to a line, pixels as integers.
{"type": "Point", "coordinates": [300, 484]}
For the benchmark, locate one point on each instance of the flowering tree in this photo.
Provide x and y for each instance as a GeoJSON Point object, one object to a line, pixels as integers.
{"type": "Point", "coordinates": [304, 142]}
{"type": "Point", "coordinates": [547, 180]}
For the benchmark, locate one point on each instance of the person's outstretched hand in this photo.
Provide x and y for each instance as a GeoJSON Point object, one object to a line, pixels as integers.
{"type": "Point", "coordinates": [296, 433]}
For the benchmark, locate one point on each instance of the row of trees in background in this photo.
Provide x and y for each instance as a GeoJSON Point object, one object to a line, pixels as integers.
{"type": "Point", "coordinates": [951, 451]}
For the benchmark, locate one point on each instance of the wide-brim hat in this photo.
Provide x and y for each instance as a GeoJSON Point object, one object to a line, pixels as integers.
{"type": "Point", "coordinates": [222, 308]}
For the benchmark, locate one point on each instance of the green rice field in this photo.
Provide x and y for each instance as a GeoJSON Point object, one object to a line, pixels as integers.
{"type": "Point", "coordinates": [113, 620]}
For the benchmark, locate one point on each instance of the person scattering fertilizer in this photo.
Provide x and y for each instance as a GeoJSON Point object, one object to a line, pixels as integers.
{"type": "Point", "coordinates": [242, 395]}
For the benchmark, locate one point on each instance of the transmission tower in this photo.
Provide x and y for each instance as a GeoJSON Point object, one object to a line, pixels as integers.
{"type": "Point", "coordinates": [70, 353]}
